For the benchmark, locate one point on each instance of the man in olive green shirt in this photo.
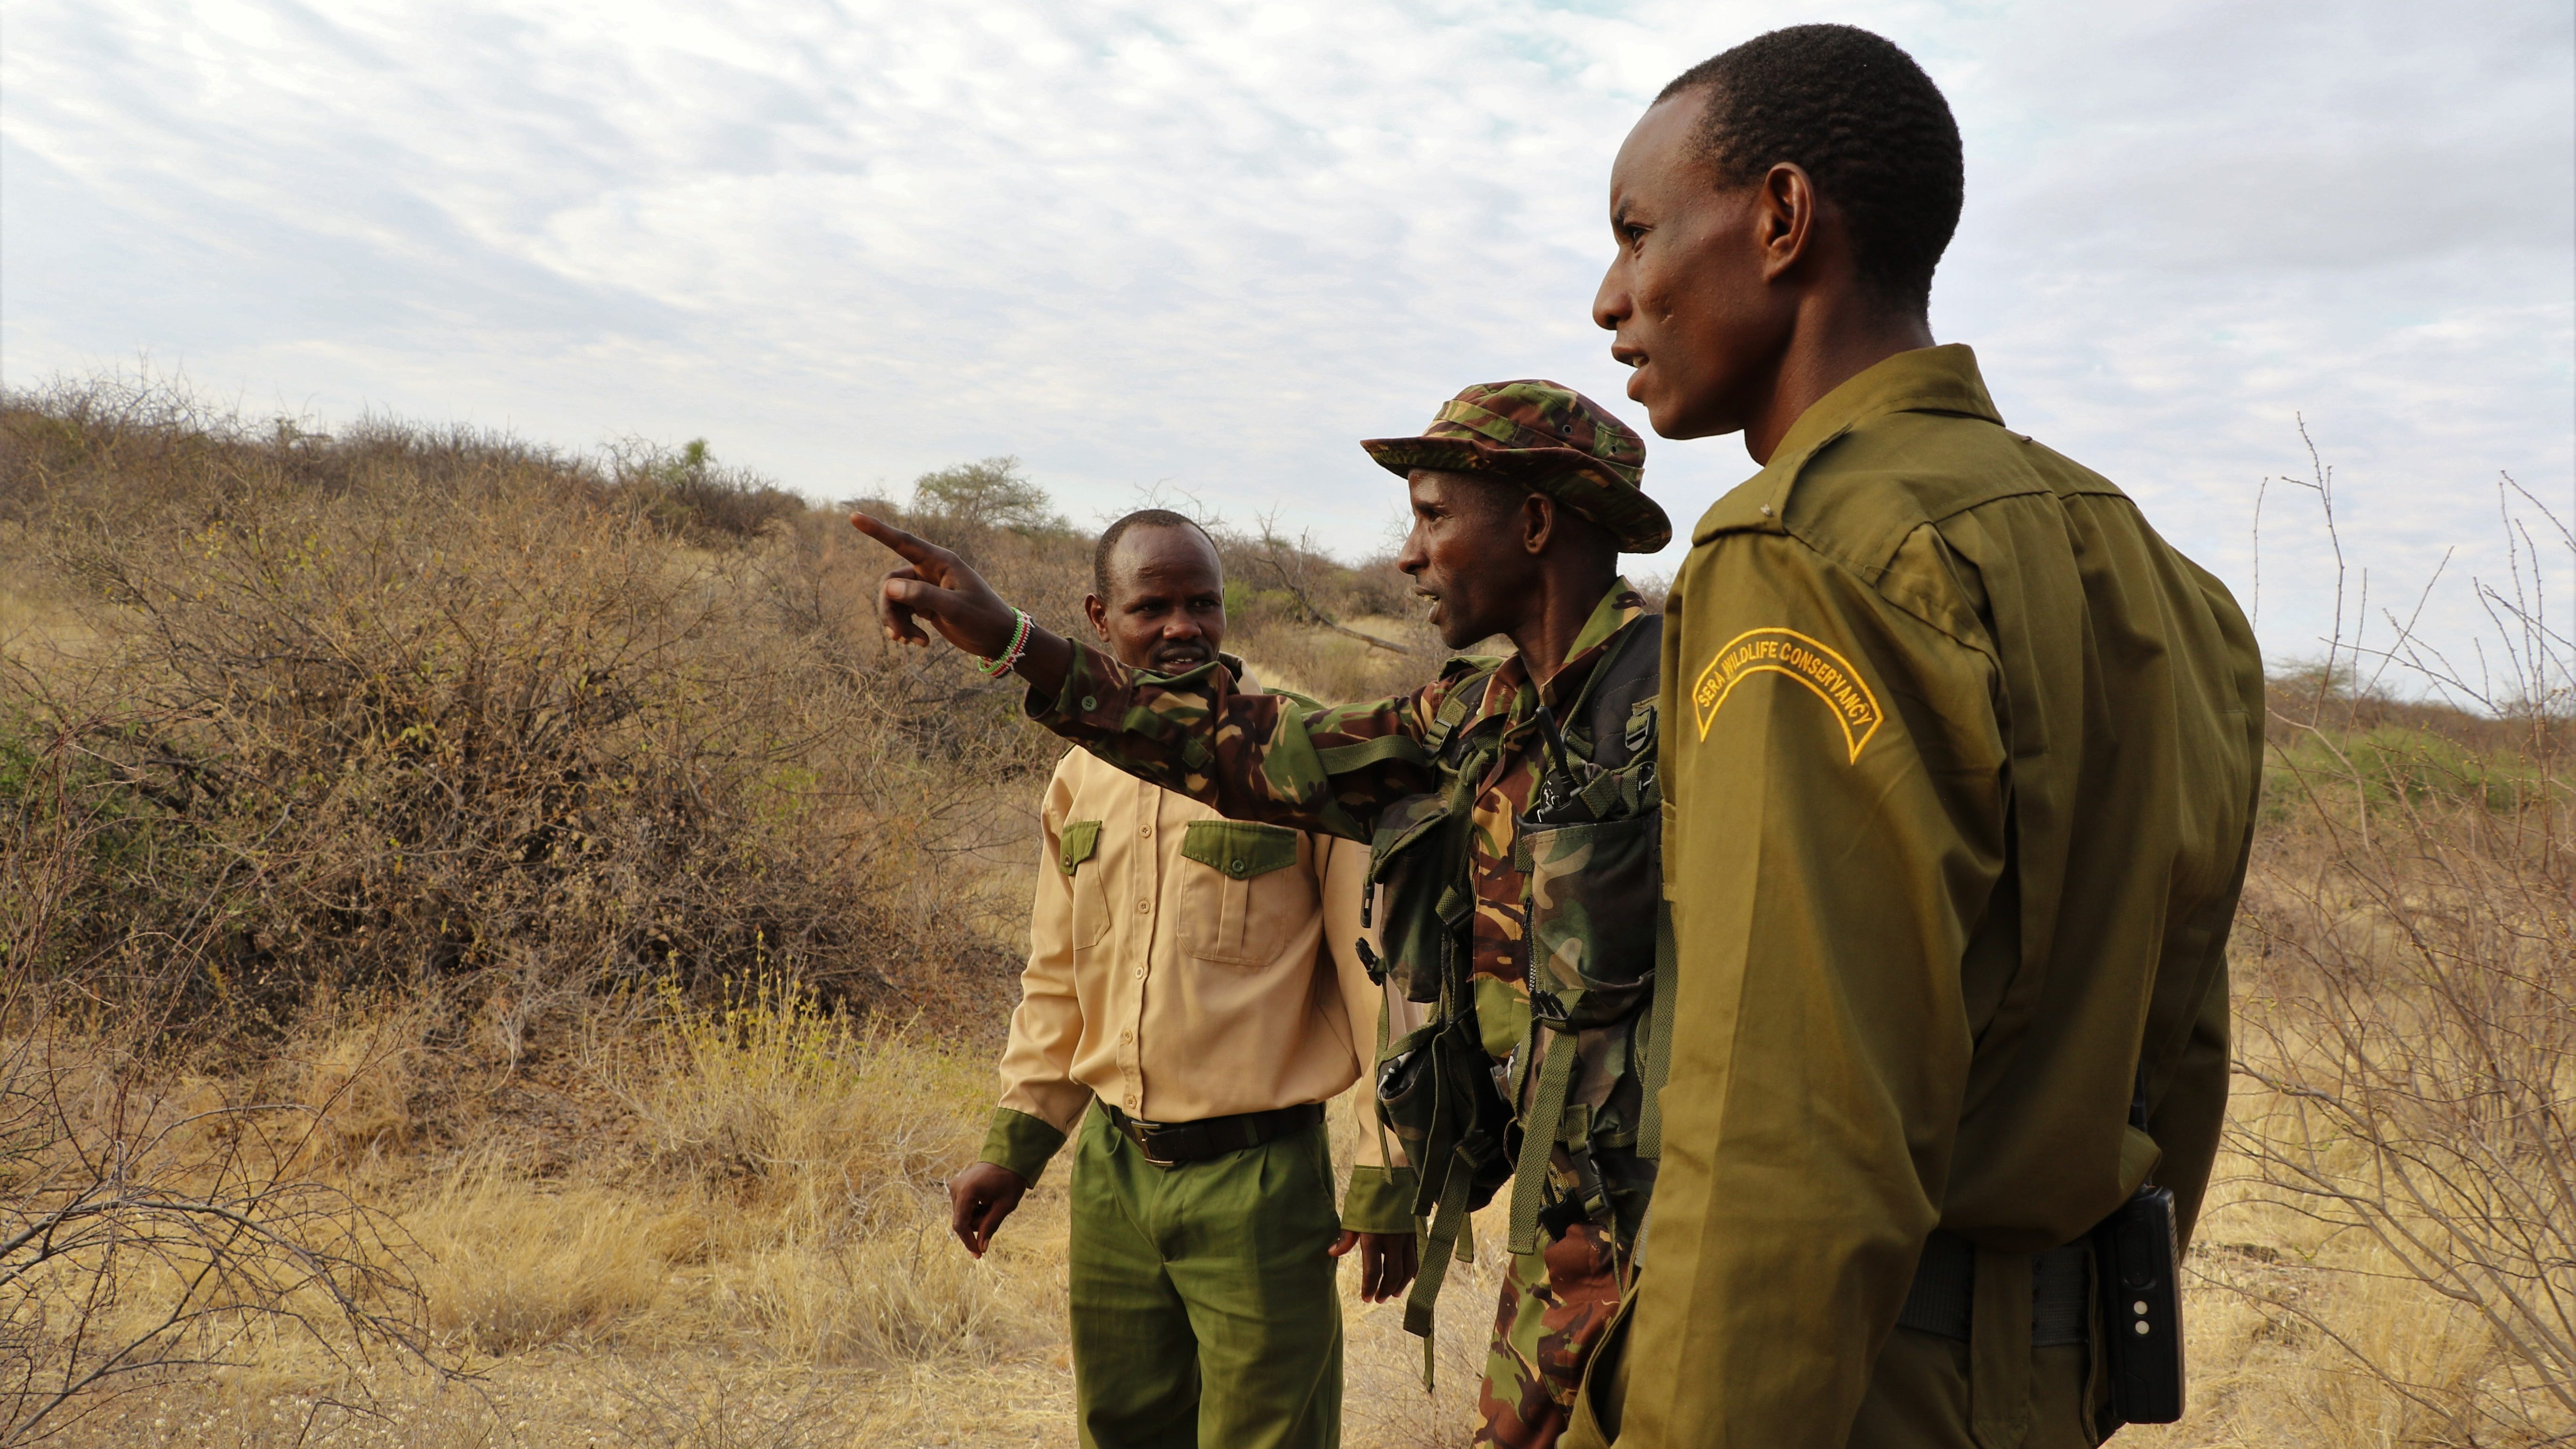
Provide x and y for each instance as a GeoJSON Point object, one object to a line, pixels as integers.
{"type": "Point", "coordinates": [1960, 763]}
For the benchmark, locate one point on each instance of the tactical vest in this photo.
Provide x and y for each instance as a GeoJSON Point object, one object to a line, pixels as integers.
{"type": "Point", "coordinates": [1596, 946]}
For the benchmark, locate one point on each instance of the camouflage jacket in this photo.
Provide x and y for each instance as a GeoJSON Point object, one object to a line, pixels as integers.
{"type": "Point", "coordinates": [1268, 757]}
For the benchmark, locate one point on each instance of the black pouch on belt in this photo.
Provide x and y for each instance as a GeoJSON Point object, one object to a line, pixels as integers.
{"type": "Point", "coordinates": [2133, 1249]}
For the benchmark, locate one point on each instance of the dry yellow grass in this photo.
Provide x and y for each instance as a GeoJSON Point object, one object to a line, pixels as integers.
{"type": "Point", "coordinates": [754, 1251]}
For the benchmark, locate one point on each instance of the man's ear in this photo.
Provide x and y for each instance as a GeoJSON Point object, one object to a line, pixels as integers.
{"type": "Point", "coordinates": [1538, 522]}
{"type": "Point", "coordinates": [1784, 213]}
{"type": "Point", "coordinates": [1097, 612]}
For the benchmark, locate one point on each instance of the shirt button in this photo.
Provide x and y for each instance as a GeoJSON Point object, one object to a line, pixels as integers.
{"type": "Point", "coordinates": [1145, 830]}
{"type": "Point", "coordinates": [1091, 701]}
{"type": "Point", "coordinates": [1126, 1036]}
{"type": "Point", "coordinates": [1140, 973]}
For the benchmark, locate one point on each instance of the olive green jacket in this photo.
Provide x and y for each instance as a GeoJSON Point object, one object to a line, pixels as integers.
{"type": "Point", "coordinates": [1960, 765]}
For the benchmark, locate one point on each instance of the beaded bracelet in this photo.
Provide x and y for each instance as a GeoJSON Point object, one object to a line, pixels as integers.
{"type": "Point", "coordinates": [997, 667]}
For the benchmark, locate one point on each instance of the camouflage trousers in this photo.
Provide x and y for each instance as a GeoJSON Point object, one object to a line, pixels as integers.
{"type": "Point", "coordinates": [1556, 1303]}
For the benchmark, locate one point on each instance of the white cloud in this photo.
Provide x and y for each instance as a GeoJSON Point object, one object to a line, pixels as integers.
{"type": "Point", "coordinates": [1216, 244]}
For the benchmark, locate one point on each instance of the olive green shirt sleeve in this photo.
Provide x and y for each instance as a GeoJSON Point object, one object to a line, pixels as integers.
{"type": "Point", "coordinates": [1020, 1142]}
{"type": "Point", "coordinates": [1833, 768]}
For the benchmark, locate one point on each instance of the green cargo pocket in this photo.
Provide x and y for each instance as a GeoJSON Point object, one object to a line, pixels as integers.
{"type": "Point", "coordinates": [1246, 907]}
{"type": "Point", "coordinates": [1079, 840]}
{"type": "Point", "coordinates": [1240, 848]}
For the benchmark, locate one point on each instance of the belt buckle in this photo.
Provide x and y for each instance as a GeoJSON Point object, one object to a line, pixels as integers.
{"type": "Point", "coordinates": [1142, 1133]}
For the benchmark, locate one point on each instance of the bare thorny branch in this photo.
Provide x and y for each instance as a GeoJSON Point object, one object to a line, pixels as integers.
{"type": "Point", "coordinates": [139, 1239]}
{"type": "Point", "coordinates": [2411, 1033]}
{"type": "Point", "coordinates": [1287, 564]}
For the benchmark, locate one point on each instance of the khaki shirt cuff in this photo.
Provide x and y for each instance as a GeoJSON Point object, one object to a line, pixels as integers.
{"type": "Point", "coordinates": [1379, 1200]}
{"type": "Point", "coordinates": [1021, 1143]}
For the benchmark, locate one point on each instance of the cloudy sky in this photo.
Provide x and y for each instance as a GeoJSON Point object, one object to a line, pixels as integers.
{"type": "Point", "coordinates": [1206, 246]}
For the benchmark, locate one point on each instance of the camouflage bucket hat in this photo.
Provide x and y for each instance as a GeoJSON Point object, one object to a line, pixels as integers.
{"type": "Point", "coordinates": [1547, 436]}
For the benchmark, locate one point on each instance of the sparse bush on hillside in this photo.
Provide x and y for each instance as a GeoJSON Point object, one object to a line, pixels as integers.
{"type": "Point", "coordinates": [687, 493]}
{"type": "Point", "coordinates": [359, 758]}
{"type": "Point", "coordinates": [398, 708]}
{"type": "Point", "coordinates": [111, 455]}
{"type": "Point", "coordinates": [989, 513]}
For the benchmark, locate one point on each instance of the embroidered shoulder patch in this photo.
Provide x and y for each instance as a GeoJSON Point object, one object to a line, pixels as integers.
{"type": "Point", "coordinates": [1786, 651]}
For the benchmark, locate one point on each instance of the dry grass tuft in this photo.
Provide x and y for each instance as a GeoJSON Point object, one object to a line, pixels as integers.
{"type": "Point", "coordinates": [518, 1265]}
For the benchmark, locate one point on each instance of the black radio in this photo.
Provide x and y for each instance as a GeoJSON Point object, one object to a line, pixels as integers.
{"type": "Point", "coordinates": [2134, 1262]}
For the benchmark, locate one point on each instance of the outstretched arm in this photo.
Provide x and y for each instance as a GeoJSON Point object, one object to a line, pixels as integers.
{"type": "Point", "coordinates": [1251, 756]}
{"type": "Point", "coordinates": [935, 586]}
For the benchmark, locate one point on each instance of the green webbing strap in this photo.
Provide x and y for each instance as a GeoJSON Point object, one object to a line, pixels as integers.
{"type": "Point", "coordinates": [1538, 1137]}
{"type": "Point", "coordinates": [1462, 698]}
{"type": "Point", "coordinates": [1437, 1247]}
{"type": "Point", "coordinates": [1341, 759]}
{"type": "Point", "coordinates": [1368, 1084]}
{"type": "Point", "coordinates": [1659, 1039]}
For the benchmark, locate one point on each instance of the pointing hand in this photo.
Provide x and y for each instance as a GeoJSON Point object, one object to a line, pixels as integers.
{"type": "Point", "coordinates": [935, 586]}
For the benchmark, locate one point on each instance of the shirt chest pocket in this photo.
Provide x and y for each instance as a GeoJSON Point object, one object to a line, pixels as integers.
{"type": "Point", "coordinates": [1240, 897]}
{"type": "Point", "coordinates": [1078, 856]}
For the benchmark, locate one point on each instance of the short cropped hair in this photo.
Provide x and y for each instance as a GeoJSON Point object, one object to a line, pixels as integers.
{"type": "Point", "coordinates": [1859, 117]}
{"type": "Point", "coordinates": [1141, 518]}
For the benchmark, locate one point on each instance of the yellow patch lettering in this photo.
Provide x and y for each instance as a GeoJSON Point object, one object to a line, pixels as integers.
{"type": "Point", "coordinates": [1786, 651]}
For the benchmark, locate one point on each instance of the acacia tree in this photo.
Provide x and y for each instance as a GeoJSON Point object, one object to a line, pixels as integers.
{"type": "Point", "coordinates": [964, 504]}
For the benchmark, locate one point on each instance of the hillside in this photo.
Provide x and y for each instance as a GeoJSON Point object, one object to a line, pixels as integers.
{"type": "Point", "coordinates": [496, 949]}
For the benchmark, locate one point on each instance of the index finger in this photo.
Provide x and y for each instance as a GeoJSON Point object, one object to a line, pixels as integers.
{"type": "Point", "coordinates": [914, 550]}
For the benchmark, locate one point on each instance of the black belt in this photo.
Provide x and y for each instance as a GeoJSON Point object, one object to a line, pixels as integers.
{"type": "Point", "coordinates": [1945, 1287]}
{"type": "Point", "coordinates": [1169, 1144]}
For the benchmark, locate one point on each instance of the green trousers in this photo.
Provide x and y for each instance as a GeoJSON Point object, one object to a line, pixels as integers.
{"type": "Point", "coordinates": [1204, 1310]}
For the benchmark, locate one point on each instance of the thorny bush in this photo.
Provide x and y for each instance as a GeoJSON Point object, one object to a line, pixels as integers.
{"type": "Point", "coordinates": [402, 710]}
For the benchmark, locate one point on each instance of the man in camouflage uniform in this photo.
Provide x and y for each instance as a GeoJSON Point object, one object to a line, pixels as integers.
{"type": "Point", "coordinates": [1523, 494]}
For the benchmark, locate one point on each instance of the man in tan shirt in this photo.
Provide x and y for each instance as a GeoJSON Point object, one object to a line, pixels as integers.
{"type": "Point", "coordinates": [1196, 978]}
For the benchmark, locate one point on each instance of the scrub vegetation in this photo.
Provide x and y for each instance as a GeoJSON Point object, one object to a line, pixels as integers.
{"type": "Point", "coordinates": [494, 951]}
